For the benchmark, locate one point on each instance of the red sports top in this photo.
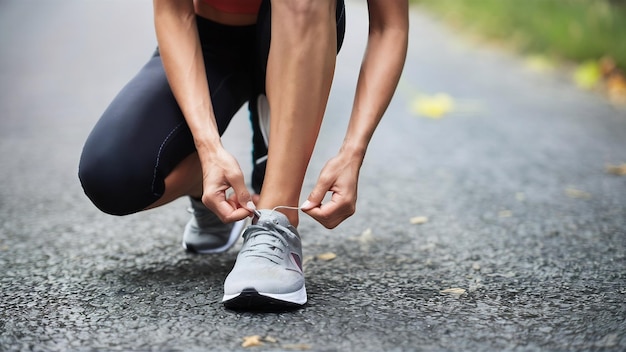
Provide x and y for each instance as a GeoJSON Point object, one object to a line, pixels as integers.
{"type": "Point", "coordinates": [236, 6]}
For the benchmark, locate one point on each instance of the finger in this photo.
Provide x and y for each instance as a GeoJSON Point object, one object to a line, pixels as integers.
{"type": "Point", "coordinates": [241, 192]}
{"type": "Point", "coordinates": [229, 213]}
{"type": "Point", "coordinates": [232, 200]}
{"type": "Point", "coordinates": [326, 214]}
{"type": "Point", "coordinates": [316, 196]}
{"type": "Point", "coordinates": [227, 209]}
{"type": "Point", "coordinates": [334, 212]}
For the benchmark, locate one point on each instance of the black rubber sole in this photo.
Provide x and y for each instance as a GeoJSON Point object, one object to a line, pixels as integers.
{"type": "Point", "coordinates": [251, 300]}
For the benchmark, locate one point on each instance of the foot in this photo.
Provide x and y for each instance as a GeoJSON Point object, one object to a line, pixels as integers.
{"type": "Point", "coordinates": [268, 272]}
{"type": "Point", "coordinates": [205, 233]}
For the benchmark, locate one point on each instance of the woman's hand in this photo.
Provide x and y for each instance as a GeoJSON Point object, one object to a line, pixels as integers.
{"type": "Point", "coordinates": [179, 46]}
{"type": "Point", "coordinates": [220, 172]}
{"type": "Point", "coordinates": [340, 176]}
{"type": "Point", "coordinates": [380, 71]}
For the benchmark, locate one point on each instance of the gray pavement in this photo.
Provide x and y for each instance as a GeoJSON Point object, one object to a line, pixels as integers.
{"type": "Point", "coordinates": [524, 224]}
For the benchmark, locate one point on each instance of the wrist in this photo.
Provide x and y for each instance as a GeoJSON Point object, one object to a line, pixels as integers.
{"type": "Point", "coordinates": [207, 141]}
{"type": "Point", "coordinates": [353, 150]}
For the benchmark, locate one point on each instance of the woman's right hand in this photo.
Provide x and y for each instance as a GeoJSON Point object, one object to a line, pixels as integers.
{"type": "Point", "coordinates": [179, 46]}
{"type": "Point", "coordinates": [220, 172]}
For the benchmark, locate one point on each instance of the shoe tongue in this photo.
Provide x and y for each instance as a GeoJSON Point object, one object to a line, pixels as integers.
{"type": "Point", "coordinates": [273, 217]}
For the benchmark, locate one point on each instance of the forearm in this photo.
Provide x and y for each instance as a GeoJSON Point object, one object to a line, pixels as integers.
{"type": "Point", "coordinates": [380, 72]}
{"type": "Point", "coordinates": [180, 51]}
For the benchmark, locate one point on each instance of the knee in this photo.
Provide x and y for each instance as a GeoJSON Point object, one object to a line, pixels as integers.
{"type": "Point", "coordinates": [112, 187]}
{"type": "Point", "coordinates": [99, 187]}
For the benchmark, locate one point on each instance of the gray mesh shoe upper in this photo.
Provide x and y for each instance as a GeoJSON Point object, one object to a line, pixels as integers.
{"type": "Point", "coordinates": [270, 261]}
{"type": "Point", "coordinates": [206, 233]}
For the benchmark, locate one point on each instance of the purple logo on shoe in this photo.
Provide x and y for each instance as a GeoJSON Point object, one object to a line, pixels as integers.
{"type": "Point", "coordinates": [296, 259]}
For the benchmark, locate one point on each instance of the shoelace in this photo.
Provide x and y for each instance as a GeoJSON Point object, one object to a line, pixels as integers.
{"type": "Point", "coordinates": [258, 213]}
{"type": "Point", "coordinates": [267, 249]}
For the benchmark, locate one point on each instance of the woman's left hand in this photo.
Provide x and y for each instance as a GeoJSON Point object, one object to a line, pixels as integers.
{"type": "Point", "coordinates": [340, 176]}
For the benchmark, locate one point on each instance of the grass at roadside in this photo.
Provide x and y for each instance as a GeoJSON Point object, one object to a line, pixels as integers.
{"type": "Point", "coordinates": [576, 30]}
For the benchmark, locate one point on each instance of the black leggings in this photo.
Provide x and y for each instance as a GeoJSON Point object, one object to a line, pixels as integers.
{"type": "Point", "coordinates": [142, 135]}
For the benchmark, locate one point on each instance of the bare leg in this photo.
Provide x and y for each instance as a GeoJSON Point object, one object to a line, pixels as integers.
{"type": "Point", "coordinates": [300, 70]}
{"type": "Point", "coordinates": [184, 180]}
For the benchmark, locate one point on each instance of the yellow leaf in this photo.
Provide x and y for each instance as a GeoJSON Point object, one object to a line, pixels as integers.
{"type": "Point", "coordinates": [505, 214]}
{"type": "Point", "coordinates": [616, 89]}
{"type": "Point", "coordinates": [576, 193]}
{"type": "Point", "coordinates": [365, 237]}
{"type": "Point", "coordinates": [619, 170]}
{"type": "Point", "coordinates": [251, 341]}
{"type": "Point", "coordinates": [270, 339]}
{"type": "Point", "coordinates": [327, 256]}
{"type": "Point", "coordinates": [454, 291]}
{"type": "Point", "coordinates": [588, 74]}
{"type": "Point", "coordinates": [432, 106]}
{"type": "Point", "coordinates": [418, 220]}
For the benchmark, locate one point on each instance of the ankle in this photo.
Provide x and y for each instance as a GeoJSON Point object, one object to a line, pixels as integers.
{"type": "Point", "coordinates": [290, 213]}
{"type": "Point", "coordinates": [292, 216]}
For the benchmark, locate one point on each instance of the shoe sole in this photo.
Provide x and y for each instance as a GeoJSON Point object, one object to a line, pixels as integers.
{"type": "Point", "coordinates": [251, 299]}
{"type": "Point", "coordinates": [235, 232]}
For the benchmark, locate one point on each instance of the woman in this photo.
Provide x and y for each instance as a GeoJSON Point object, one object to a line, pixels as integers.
{"type": "Point", "coordinates": [160, 137]}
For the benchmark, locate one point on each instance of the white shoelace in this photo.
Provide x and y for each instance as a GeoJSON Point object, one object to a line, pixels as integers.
{"type": "Point", "coordinates": [258, 213]}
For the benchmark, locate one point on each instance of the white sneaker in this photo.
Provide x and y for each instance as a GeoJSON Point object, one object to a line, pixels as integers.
{"type": "Point", "coordinates": [205, 233]}
{"type": "Point", "coordinates": [268, 271]}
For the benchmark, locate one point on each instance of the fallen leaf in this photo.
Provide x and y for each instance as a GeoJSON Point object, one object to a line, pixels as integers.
{"type": "Point", "coordinates": [432, 106]}
{"type": "Point", "coordinates": [616, 88]}
{"type": "Point", "coordinates": [251, 341]}
{"type": "Point", "coordinates": [520, 196]}
{"type": "Point", "coordinates": [418, 220]}
{"type": "Point", "coordinates": [427, 247]}
{"type": "Point", "coordinates": [588, 74]}
{"type": "Point", "coordinates": [505, 214]}
{"type": "Point", "coordinates": [607, 66]}
{"type": "Point", "coordinates": [619, 170]}
{"type": "Point", "coordinates": [476, 266]}
{"type": "Point", "coordinates": [365, 237]}
{"type": "Point", "coordinates": [577, 194]}
{"type": "Point", "coordinates": [326, 256]}
{"type": "Point", "coordinates": [270, 339]}
{"type": "Point", "coordinates": [453, 291]}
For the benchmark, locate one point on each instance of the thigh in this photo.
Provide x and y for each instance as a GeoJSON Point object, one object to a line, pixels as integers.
{"type": "Point", "coordinates": [134, 144]}
{"type": "Point", "coordinates": [142, 136]}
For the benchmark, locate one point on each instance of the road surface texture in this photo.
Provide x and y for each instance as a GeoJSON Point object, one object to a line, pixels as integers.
{"type": "Point", "coordinates": [523, 244]}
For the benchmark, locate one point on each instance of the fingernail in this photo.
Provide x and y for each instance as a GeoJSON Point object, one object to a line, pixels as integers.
{"type": "Point", "coordinates": [306, 204]}
{"type": "Point", "coordinates": [251, 205]}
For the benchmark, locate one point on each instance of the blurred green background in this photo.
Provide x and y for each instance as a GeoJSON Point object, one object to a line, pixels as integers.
{"type": "Point", "coordinates": [569, 30]}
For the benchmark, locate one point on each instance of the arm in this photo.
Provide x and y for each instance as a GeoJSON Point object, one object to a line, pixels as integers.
{"type": "Point", "coordinates": [180, 50]}
{"type": "Point", "coordinates": [380, 72]}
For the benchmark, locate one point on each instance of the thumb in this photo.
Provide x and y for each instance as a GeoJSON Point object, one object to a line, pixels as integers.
{"type": "Point", "coordinates": [317, 195]}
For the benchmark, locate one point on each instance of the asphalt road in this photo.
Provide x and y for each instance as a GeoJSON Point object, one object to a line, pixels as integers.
{"type": "Point", "coordinates": [524, 247]}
